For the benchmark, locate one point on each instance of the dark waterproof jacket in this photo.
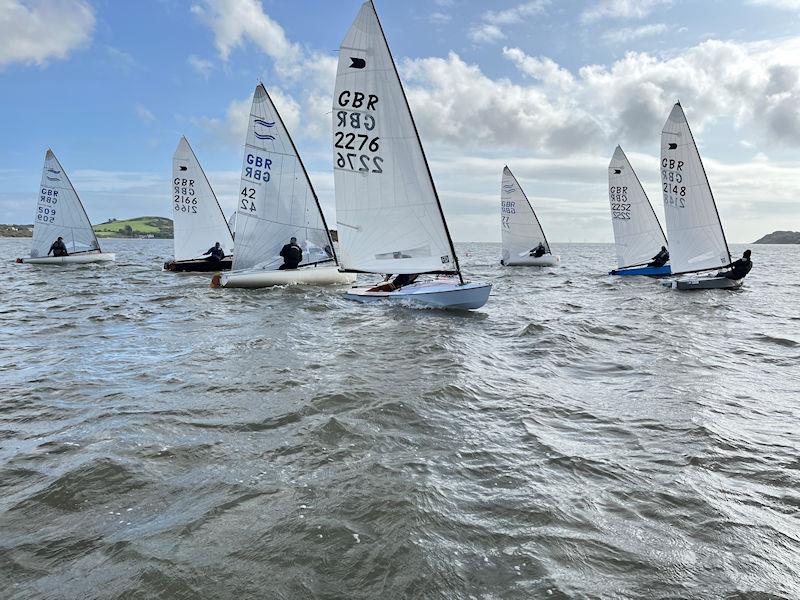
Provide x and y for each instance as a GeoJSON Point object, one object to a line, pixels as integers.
{"type": "Point", "coordinates": [58, 249]}
{"type": "Point", "coordinates": [538, 251]}
{"type": "Point", "coordinates": [292, 255]}
{"type": "Point", "coordinates": [660, 259]}
{"type": "Point", "coordinates": [739, 268]}
{"type": "Point", "coordinates": [218, 253]}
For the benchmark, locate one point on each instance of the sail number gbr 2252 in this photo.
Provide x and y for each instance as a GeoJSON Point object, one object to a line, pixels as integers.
{"type": "Point", "coordinates": [620, 207]}
{"type": "Point", "coordinates": [355, 144]}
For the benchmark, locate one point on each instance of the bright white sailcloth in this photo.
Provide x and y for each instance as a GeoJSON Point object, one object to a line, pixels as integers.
{"type": "Point", "coordinates": [521, 230]}
{"type": "Point", "coordinates": [198, 219]}
{"type": "Point", "coordinates": [697, 241]}
{"type": "Point", "coordinates": [59, 213]}
{"type": "Point", "coordinates": [388, 213]}
{"type": "Point", "coordinates": [276, 199]}
{"type": "Point", "coordinates": [637, 233]}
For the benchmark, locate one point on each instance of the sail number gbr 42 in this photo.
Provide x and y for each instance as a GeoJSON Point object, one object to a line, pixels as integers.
{"type": "Point", "coordinates": [355, 145]}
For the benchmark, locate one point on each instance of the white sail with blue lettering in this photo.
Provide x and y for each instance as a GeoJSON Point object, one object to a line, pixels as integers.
{"type": "Point", "coordinates": [519, 226]}
{"type": "Point", "coordinates": [389, 218]}
{"type": "Point", "coordinates": [197, 217]}
{"type": "Point", "coordinates": [637, 233]}
{"type": "Point", "coordinates": [59, 213]}
{"type": "Point", "coordinates": [697, 241]}
{"type": "Point", "coordinates": [276, 199]}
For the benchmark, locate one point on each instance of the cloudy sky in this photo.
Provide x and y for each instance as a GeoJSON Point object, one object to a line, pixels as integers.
{"type": "Point", "coordinates": [548, 87]}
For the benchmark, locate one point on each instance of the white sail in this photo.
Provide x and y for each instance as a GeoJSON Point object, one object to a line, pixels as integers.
{"type": "Point", "coordinates": [697, 241]}
{"type": "Point", "coordinates": [388, 213]}
{"type": "Point", "coordinates": [198, 219]}
{"type": "Point", "coordinates": [521, 230]}
{"type": "Point", "coordinates": [59, 213]}
{"type": "Point", "coordinates": [637, 233]}
{"type": "Point", "coordinates": [276, 199]}
{"type": "Point", "coordinates": [232, 221]}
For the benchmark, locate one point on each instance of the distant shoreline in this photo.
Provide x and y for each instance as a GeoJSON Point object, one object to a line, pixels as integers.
{"type": "Point", "coordinates": [780, 237]}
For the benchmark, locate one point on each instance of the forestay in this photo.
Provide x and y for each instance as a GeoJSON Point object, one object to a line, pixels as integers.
{"type": "Point", "coordinates": [697, 241]}
{"type": "Point", "coordinates": [388, 213]}
{"type": "Point", "coordinates": [637, 233]}
{"type": "Point", "coordinates": [521, 230]}
{"type": "Point", "coordinates": [198, 219]}
{"type": "Point", "coordinates": [59, 213]}
{"type": "Point", "coordinates": [276, 199]}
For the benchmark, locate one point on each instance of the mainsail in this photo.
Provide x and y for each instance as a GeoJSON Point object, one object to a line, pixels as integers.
{"type": "Point", "coordinates": [59, 213]}
{"type": "Point", "coordinates": [697, 241]}
{"type": "Point", "coordinates": [276, 199]}
{"type": "Point", "coordinates": [198, 219]}
{"type": "Point", "coordinates": [521, 230]}
{"type": "Point", "coordinates": [388, 213]}
{"type": "Point", "coordinates": [637, 232]}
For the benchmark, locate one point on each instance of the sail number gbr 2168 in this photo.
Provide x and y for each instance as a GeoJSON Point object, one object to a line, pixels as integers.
{"type": "Point", "coordinates": [355, 144]}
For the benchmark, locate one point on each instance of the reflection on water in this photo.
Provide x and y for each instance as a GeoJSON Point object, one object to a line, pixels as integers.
{"type": "Point", "coordinates": [582, 436]}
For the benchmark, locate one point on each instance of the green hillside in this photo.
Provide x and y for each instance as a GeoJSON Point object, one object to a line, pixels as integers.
{"type": "Point", "coordinates": [158, 227]}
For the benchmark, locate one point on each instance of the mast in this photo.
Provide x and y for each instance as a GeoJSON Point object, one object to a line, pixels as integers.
{"type": "Point", "coordinates": [78, 198]}
{"type": "Point", "coordinates": [305, 173]}
{"type": "Point", "coordinates": [536, 218]}
{"type": "Point", "coordinates": [649, 205]}
{"type": "Point", "coordinates": [419, 142]}
{"type": "Point", "coordinates": [213, 194]}
{"type": "Point", "coordinates": [713, 201]}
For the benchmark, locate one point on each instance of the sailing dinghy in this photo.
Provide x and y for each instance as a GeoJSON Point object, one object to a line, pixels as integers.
{"type": "Point", "coordinates": [520, 227]}
{"type": "Point", "coordinates": [697, 240]}
{"type": "Point", "coordinates": [197, 216]}
{"type": "Point", "coordinates": [276, 203]}
{"type": "Point", "coordinates": [637, 233]}
{"type": "Point", "coordinates": [59, 213]}
{"type": "Point", "coordinates": [389, 217]}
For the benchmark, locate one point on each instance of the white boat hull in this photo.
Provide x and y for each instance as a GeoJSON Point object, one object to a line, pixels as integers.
{"type": "Point", "coordinates": [257, 278]}
{"type": "Point", "coordinates": [73, 259]}
{"type": "Point", "coordinates": [704, 283]}
{"type": "Point", "coordinates": [430, 294]}
{"type": "Point", "coordinates": [548, 260]}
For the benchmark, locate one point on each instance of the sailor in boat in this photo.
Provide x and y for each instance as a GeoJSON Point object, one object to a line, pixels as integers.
{"type": "Point", "coordinates": [292, 255]}
{"type": "Point", "coordinates": [739, 268]}
{"type": "Point", "coordinates": [538, 251]}
{"type": "Point", "coordinates": [215, 253]}
{"type": "Point", "coordinates": [660, 259]}
{"type": "Point", "coordinates": [58, 248]}
{"type": "Point", "coordinates": [401, 280]}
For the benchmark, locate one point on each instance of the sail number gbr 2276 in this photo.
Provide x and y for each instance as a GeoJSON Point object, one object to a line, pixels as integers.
{"type": "Point", "coordinates": [355, 144]}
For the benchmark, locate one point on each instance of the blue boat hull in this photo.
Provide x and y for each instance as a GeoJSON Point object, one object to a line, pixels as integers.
{"type": "Point", "coordinates": [645, 271]}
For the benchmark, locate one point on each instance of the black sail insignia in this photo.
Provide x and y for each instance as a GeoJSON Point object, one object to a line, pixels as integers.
{"type": "Point", "coordinates": [357, 63]}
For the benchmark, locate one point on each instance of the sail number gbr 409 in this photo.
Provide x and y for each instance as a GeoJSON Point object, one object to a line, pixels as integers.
{"type": "Point", "coordinates": [355, 146]}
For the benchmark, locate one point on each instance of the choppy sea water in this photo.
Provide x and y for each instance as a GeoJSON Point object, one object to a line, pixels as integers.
{"type": "Point", "coordinates": [581, 436]}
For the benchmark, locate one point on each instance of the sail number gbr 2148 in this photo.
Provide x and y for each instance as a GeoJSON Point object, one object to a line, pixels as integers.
{"type": "Point", "coordinates": [672, 183]}
{"type": "Point", "coordinates": [355, 144]}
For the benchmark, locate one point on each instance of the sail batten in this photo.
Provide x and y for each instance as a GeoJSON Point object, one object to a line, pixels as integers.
{"type": "Point", "coordinates": [197, 216]}
{"type": "Point", "coordinates": [60, 213]}
{"type": "Point", "coordinates": [386, 201]}
{"type": "Point", "coordinates": [276, 199]}
{"type": "Point", "coordinates": [697, 240]}
{"type": "Point", "coordinates": [637, 233]}
{"type": "Point", "coordinates": [520, 228]}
